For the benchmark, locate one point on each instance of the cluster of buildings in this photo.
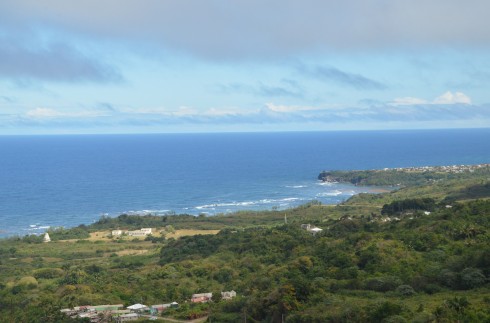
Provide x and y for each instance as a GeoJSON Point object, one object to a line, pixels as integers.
{"type": "Point", "coordinates": [134, 233]}
{"type": "Point", "coordinates": [206, 297]}
{"type": "Point", "coordinates": [117, 313]}
{"type": "Point", "coordinates": [442, 169]}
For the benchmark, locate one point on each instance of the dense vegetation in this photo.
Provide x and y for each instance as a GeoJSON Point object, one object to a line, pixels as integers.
{"type": "Point", "coordinates": [400, 206]}
{"type": "Point", "coordinates": [357, 270]}
{"type": "Point", "coordinates": [380, 258]}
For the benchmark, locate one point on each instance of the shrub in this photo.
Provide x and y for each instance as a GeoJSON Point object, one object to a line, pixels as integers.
{"type": "Point", "coordinates": [28, 281]}
{"type": "Point", "coordinates": [405, 290]}
{"type": "Point", "coordinates": [472, 278]}
{"type": "Point", "coordinates": [48, 273]}
{"type": "Point", "coordinates": [385, 310]}
{"type": "Point", "coordinates": [383, 284]}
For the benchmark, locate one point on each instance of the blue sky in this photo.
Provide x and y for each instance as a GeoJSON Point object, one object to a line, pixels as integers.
{"type": "Point", "coordinates": [130, 66]}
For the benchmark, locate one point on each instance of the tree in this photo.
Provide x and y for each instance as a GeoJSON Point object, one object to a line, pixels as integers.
{"type": "Point", "coordinates": [472, 278]}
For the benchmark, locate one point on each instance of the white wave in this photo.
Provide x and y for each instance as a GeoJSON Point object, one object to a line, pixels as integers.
{"type": "Point", "coordinates": [36, 228]}
{"type": "Point", "coordinates": [147, 212]}
{"type": "Point", "coordinates": [290, 199]}
{"type": "Point", "coordinates": [326, 183]}
{"type": "Point", "coordinates": [331, 193]}
{"type": "Point", "coordinates": [296, 186]}
{"type": "Point", "coordinates": [205, 207]}
{"type": "Point", "coordinates": [246, 203]}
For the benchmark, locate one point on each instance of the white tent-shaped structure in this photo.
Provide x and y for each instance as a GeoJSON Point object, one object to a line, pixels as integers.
{"type": "Point", "coordinates": [138, 308]}
{"type": "Point", "coordinates": [46, 238]}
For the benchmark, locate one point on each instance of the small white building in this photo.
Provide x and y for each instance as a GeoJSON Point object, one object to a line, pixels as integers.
{"type": "Point", "coordinates": [228, 295]}
{"type": "Point", "coordinates": [138, 308]}
{"type": "Point", "coordinates": [311, 228]}
{"type": "Point", "coordinates": [46, 238]}
{"type": "Point", "coordinates": [116, 233]}
{"type": "Point", "coordinates": [315, 230]}
{"type": "Point", "coordinates": [137, 233]}
{"type": "Point", "coordinates": [140, 233]}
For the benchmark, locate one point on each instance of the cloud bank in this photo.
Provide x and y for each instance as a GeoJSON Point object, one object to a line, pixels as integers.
{"type": "Point", "coordinates": [269, 114]}
{"type": "Point", "coordinates": [445, 98]}
{"type": "Point", "coordinates": [254, 28]}
{"type": "Point", "coordinates": [54, 62]}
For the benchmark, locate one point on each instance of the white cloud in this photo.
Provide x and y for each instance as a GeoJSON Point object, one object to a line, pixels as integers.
{"type": "Point", "coordinates": [42, 113]}
{"type": "Point", "coordinates": [408, 101]}
{"type": "Point", "coordinates": [445, 98]}
{"type": "Point", "coordinates": [289, 108]}
{"type": "Point", "coordinates": [450, 98]}
{"type": "Point", "coordinates": [226, 112]}
{"type": "Point", "coordinates": [47, 113]}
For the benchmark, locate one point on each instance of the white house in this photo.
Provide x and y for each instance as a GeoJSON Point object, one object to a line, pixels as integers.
{"type": "Point", "coordinates": [137, 233]}
{"type": "Point", "coordinates": [138, 308]}
{"type": "Point", "coordinates": [228, 295]}
{"type": "Point", "coordinates": [116, 233]}
{"type": "Point", "coordinates": [311, 228]}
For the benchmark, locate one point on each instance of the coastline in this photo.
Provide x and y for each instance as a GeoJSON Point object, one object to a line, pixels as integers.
{"type": "Point", "coordinates": [336, 188]}
{"type": "Point", "coordinates": [405, 176]}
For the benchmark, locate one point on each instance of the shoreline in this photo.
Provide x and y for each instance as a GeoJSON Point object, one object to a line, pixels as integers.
{"type": "Point", "coordinates": [402, 176]}
{"type": "Point", "coordinates": [40, 229]}
{"type": "Point", "coordinates": [334, 196]}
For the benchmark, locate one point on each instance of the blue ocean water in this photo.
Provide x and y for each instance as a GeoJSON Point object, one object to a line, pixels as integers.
{"type": "Point", "coordinates": [69, 180]}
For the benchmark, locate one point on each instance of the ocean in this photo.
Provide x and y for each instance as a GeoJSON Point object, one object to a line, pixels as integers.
{"type": "Point", "coordinates": [74, 179]}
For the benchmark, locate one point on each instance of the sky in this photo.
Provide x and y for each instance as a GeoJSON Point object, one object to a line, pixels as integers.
{"type": "Point", "coordinates": [159, 66]}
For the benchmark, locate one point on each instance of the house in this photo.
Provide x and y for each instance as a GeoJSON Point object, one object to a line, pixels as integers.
{"type": "Point", "coordinates": [138, 308]}
{"type": "Point", "coordinates": [201, 298]}
{"type": "Point", "coordinates": [159, 308]}
{"type": "Point", "coordinates": [228, 295]}
{"type": "Point", "coordinates": [104, 308]}
{"type": "Point", "coordinates": [306, 226]}
{"type": "Point", "coordinates": [92, 315]}
{"type": "Point", "coordinates": [140, 233]}
{"type": "Point", "coordinates": [311, 228]}
{"type": "Point", "coordinates": [116, 233]}
{"type": "Point", "coordinates": [137, 233]}
{"type": "Point", "coordinates": [97, 313]}
{"type": "Point", "coordinates": [127, 317]}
